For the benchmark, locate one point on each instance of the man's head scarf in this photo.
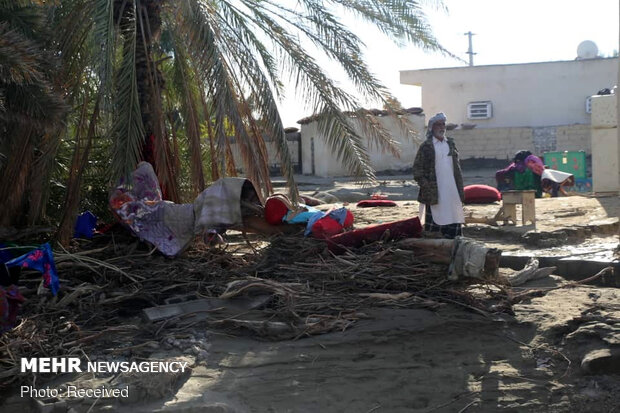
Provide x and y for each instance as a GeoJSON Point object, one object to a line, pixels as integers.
{"type": "Point", "coordinates": [438, 117]}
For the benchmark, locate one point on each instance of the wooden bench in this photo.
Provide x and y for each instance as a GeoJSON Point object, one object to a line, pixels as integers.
{"type": "Point", "coordinates": [510, 200]}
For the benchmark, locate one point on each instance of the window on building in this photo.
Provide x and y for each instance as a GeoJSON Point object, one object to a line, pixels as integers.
{"type": "Point", "coordinates": [589, 104]}
{"type": "Point", "coordinates": [479, 110]}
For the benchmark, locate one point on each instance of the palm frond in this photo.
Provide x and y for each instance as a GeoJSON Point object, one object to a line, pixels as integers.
{"type": "Point", "coordinates": [319, 90]}
{"type": "Point", "coordinates": [184, 81]}
{"type": "Point", "coordinates": [223, 88]}
{"type": "Point", "coordinates": [128, 130]}
{"type": "Point", "coordinates": [103, 42]}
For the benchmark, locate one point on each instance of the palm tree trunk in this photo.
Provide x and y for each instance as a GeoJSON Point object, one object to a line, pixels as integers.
{"type": "Point", "coordinates": [150, 82]}
{"type": "Point", "coordinates": [14, 183]}
{"type": "Point", "coordinates": [78, 165]}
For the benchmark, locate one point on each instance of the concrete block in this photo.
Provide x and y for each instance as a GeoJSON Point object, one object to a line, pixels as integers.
{"type": "Point", "coordinates": [604, 111]}
{"type": "Point", "coordinates": [605, 160]}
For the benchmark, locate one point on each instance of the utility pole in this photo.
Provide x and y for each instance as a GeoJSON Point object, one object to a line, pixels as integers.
{"type": "Point", "coordinates": [470, 52]}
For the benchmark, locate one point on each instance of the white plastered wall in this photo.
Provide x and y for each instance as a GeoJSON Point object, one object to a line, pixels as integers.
{"type": "Point", "coordinates": [319, 159]}
{"type": "Point", "coordinates": [522, 95]}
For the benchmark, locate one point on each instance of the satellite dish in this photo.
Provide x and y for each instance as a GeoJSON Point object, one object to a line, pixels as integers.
{"type": "Point", "coordinates": [587, 50]}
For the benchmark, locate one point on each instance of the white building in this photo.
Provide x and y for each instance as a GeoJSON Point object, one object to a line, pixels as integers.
{"type": "Point", "coordinates": [537, 106]}
{"type": "Point", "coordinates": [319, 159]}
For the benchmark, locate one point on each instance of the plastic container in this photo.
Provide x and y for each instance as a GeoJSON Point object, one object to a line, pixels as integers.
{"type": "Point", "coordinates": [572, 162]}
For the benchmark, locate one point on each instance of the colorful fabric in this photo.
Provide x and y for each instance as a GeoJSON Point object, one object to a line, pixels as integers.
{"type": "Point", "coordinates": [506, 177]}
{"type": "Point", "coordinates": [168, 226]}
{"type": "Point", "coordinates": [40, 259]}
{"type": "Point", "coordinates": [527, 180]}
{"type": "Point", "coordinates": [171, 227]}
{"type": "Point", "coordinates": [85, 225]}
{"type": "Point", "coordinates": [535, 159]}
{"type": "Point", "coordinates": [301, 217]}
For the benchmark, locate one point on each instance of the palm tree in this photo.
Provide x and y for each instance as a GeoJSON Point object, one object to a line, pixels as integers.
{"type": "Point", "coordinates": [31, 109]}
{"type": "Point", "coordinates": [154, 76]}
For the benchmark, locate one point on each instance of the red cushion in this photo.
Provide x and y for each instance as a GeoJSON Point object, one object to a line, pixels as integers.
{"type": "Point", "coordinates": [481, 194]}
{"type": "Point", "coordinates": [376, 203]}
{"type": "Point", "coordinates": [348, 221]}
{"type": "Point", "coordinates": [326, 227]}
{"type": "Point", "coordinates": [275, 210]}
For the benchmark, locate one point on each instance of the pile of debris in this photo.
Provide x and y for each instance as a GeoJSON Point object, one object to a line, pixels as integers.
{"type": "Point", "coordinates": [117, 297]}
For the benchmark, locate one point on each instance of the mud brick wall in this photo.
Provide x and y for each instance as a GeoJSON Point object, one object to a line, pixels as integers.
{"type": "Point", "coordinates": [574, 138]}
{"type": "Point", "coordinates": [491, 143]}
{"type": "Point", "coordinates": [503, 143]}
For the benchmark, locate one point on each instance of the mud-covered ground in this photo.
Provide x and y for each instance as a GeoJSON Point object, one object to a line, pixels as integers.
{"type": "Point", "coordinates": [559, 352]}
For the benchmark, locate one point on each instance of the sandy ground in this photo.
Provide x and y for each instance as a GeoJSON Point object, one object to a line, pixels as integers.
{"type": "Point", "coordinates": [558, 353]}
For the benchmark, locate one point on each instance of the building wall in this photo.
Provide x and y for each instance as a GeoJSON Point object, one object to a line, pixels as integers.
{"type": "Point", "coordinates": [503, 143]}
{"type": "Point", "coordinates": [523, 95]}
{"type": "Point", "coordinates": [605, 144]}
{"type": "Point", "coordinates": [272, 152]}
{"type": "Point", "coordinates": [319, 159]}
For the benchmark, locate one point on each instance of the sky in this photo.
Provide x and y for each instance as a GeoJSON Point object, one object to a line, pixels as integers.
{"type": "Point", "coordinates": [506, 31]}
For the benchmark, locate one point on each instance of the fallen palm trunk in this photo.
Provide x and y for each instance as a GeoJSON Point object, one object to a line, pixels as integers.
{"type": "Point", "coordinates": [466, 257]}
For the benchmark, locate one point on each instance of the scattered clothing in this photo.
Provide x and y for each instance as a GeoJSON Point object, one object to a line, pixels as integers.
{"type": "Point", "coordinates": [468, 258]}
{"type": "Point", "coordinates": [140, 207]}
{"type": "Point", "coordinates": [518, 177]}
{"type": "Point", "coordinates": [40, 259]}
{"type": "Point", "coordinates": [552, 181]}
{"type": "Point", "coordinates": [302, 215]}
{"type": "Point", "coordinates": [172, 227]}
{"type": "Point", "coordinates": [85, 225]}
{"type": "Point", "coordinates": [219, 206]}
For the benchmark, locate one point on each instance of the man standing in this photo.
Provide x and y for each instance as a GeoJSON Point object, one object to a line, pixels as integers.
{"type": "Point", "coordinates": [438, 172]}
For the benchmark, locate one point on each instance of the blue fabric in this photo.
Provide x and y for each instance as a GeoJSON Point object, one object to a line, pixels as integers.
{"type": "Point", "coordinates": [318, 215]}
{"type": "Point", "coordinates": [40, 259]}
{"type": "Point", "coordinates": [5, 253]}
{"type": "Point", "coordinates": [339, 215]}
{"type": "Point", "coordinates": [85, 225]}
{"type": "Point", "coordinates": [302, 217]}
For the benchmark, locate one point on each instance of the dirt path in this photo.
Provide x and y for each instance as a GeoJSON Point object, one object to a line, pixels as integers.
{"type": "Point", "coordinates": [419, 361]}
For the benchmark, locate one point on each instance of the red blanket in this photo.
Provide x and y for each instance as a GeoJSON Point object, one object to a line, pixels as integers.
{"type": "Point", "coordinates": [406, 228]}
{"type": "Point", "coordinates": [376, 203]}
